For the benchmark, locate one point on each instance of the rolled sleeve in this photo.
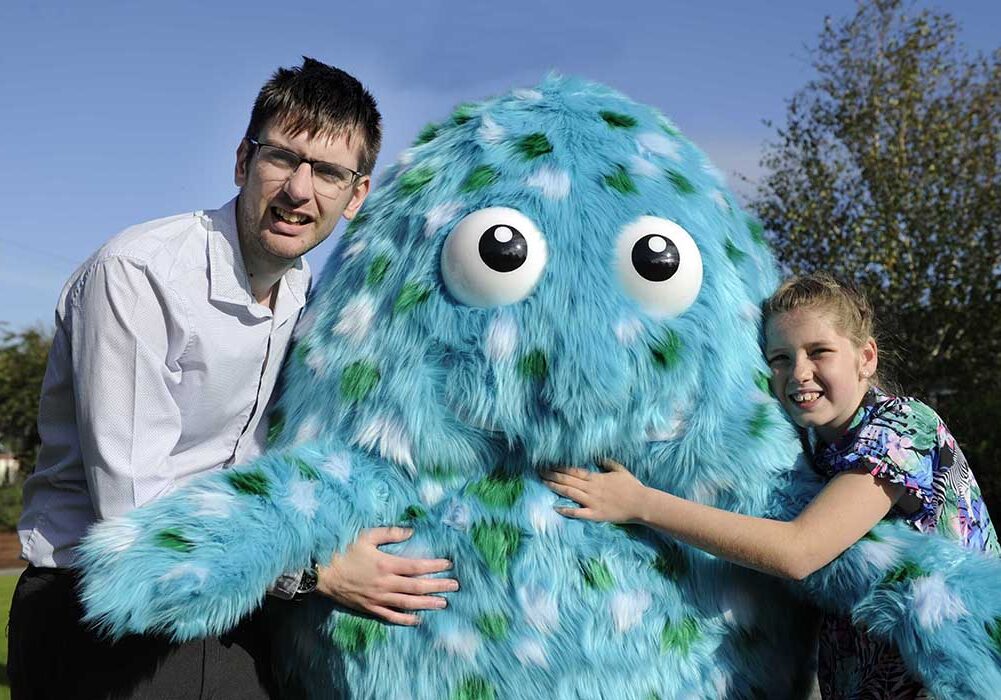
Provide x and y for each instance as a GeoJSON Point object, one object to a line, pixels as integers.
{"type": "Point", "coordinates": [127, 332]}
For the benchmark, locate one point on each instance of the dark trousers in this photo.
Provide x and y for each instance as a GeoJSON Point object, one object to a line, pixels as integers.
{"type": "Point", "coordinates": [52, 655]}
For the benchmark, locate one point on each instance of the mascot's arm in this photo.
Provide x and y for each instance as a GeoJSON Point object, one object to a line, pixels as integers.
{"type": "Point", "coordinates": [939, 603]}
{"type": "Point", "coordinates": [196, 561]}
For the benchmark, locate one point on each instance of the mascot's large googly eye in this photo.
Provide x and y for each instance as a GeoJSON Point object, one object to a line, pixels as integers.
{"type": "Point", "coordinates": [493, 257]}
{"type": "Point", "coordinates": [659, 266]}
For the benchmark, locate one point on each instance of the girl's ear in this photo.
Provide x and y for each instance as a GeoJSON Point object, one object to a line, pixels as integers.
{"type": "Point", "coordinates": [869, 355]}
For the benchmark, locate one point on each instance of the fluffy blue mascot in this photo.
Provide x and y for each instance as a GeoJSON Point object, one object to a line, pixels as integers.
{"type": "Point", "coordinates": [544, 278]}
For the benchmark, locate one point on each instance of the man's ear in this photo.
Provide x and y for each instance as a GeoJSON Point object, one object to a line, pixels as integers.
{"type": "Point", "coordinates": [358, 197]}
{"type": "Point", "coordinates": [242, 163]}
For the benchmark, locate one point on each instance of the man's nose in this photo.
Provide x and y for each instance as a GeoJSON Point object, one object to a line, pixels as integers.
{"type": "Point", "coordinates": [299, 186]}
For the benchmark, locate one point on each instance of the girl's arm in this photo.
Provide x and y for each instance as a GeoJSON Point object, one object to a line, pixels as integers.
{"type": "Point", "coordinates": [849, 506]}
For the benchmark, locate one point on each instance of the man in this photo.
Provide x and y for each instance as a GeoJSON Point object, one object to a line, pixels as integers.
{"type": "Point", "coordinates": [168, 344]}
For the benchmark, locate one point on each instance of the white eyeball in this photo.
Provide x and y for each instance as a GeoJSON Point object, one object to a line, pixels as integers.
{"type": "Point", "coordinates": [493, 257]}
{"type": "Point", "coordinates": [659, 266]}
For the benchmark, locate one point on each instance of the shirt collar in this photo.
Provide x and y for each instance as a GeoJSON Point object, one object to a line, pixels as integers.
{"type": "Point", "coordinates": [228, 281]}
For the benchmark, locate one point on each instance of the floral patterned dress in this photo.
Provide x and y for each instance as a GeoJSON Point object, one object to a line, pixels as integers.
{"type": "Point", "coordinates": [905, 442]}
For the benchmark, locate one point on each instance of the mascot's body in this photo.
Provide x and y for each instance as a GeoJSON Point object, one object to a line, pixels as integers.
{"type": "Point", "coordinates": [545, 278]}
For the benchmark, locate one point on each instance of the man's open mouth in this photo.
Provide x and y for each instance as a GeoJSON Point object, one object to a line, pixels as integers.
{"type": "Point", "coordinates": [289, 217]}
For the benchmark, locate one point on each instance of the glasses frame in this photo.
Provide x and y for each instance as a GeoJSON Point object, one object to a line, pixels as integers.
{"type": "Point", "coordinates": [356, 176]}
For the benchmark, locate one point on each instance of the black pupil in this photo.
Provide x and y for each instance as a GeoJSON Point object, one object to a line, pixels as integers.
{"type": "Point", "coordinates": [656, 257]}
{"type": "Point", "coordinates": [503, 248]}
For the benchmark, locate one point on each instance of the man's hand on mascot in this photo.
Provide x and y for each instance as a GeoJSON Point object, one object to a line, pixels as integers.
{"type": "Point", "coordinates": [366, 579]}
{"type": "Point", "coordinates": [613, 495]}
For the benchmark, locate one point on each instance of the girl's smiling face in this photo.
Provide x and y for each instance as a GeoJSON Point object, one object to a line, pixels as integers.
{"type": "Point", "coordinates": [818, 374]}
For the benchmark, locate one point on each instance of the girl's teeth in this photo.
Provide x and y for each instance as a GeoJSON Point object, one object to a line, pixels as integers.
{"type": "Point", "coordinates": [801, 397]}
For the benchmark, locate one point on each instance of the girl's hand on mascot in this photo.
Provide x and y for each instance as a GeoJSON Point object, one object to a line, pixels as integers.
{"type": "Point", "coordinates": [613, 495]}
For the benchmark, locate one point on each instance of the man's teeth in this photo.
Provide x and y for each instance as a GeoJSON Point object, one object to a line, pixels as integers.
{"type": "Point", "coordinates": [289, 217]}
{"type": "Point", "coordinates": [804, 396]}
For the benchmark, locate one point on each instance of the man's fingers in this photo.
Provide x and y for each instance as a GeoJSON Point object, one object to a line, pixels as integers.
{"type": "Point", "coordinates": [404, 566]}
{"type": "Point", "coordinates": [385, 535]}
{"type": "Point", "coordinates": [559, 476]}
{"type": "Point", "coordinates": [577, 513]}
{"type": "Point", "coordinates": [424, 586]}
{"type": "Point", "coordinates": [610, 465]}
{"type": "Point", "coordinates": [402, 601]}
{"type": "Point", "coordinates": [393, 616]}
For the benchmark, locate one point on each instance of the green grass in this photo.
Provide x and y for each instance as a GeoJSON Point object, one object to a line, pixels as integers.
{"type": "Point", "coordinates": [6, 592]}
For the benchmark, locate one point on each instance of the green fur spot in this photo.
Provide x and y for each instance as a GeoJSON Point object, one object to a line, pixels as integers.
{"type": "Point", "coordinates": [757, 231]}
{"type": "Point", "coordinates": [533, 365]}
{"type": "Point", "coordinates": [413, 181]}
{"type": "Point", "coordinates": [412, 294]}
{"type": "Point", "coordinates": [498, 490]}
{"type": "Point", "coordinates": [617, 120]}
{"type": "Point", "coordinates": [441, 472]}
{"type": "Point", "coordinates": [463, 113]}
{"type": "Point", "coordinates": [621, 181]}
{"type": "Point", "coordinates": [302, 350]}
{"type": "Point", "coordinates": [306, 470]}
{"type": "Point", "coordinates": [735, 254]}
{"type": "Point", "coordinates": [653, 695]}
{"type": "Point", "coordinates": [679, 637]}
{"type": "Point", "coordinates": [356, 634]}
{"type": "Point", "coordinates": [413, 512]}
{"type": "Point", "coordinates": [249, 483]}
{"type": "Point", "coordinates": [597, 575]}
{"type": "Point", "coordinates": [680, 183]}
{"type": "Point", "coordinates": [534, 145]}
{"type": "Point", "coordinates": [497, 543]}
{"type": "Point", "coordinates": [762, 381]}
{"type": "Point", "coordinates": [669, 128]}
{"type": "Point", "coordinates": [276, 426]}
{"type": "Point", "coordinates": [905, 572]}
{"type": "Point", "coordinates": [358, 379]}
{"type": "Point", "coordinates": [872, 536]}
{"type": "Point", "coordinates": [635, 532]}
{"type": "Point", "coordinates": [671, 562]}
{"type": "Point", "coordinates": [377, 270]}
{"type": "Point", "coordinates": [360, 217]}
{"type": "Point", "coordinates": [475, 688]}
{"type": "Point", "coordinates": [482, 176]}
{"type": "Point", "coordinates": [994, 632]}
{"type": "Point", "coordinates": [759, 423]}
{"type": "Point", "coordinates": [428, 134]}
{"type": "Point", "coordinates": [493, 626]}
{"type": "Point", "coordinates": [171, 538]}
{"type": "Point", "coordinates": [667, 351]}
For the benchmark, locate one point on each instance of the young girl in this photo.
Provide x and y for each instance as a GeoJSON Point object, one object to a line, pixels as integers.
{"type": "Point", "coordinates": [882, 455]}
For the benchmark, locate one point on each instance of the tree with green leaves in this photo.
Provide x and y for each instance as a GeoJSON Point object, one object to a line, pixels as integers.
{"type": "Point", "coordinates": [23, 357]}
{"type": "Point", "coordinates": [887, 172]}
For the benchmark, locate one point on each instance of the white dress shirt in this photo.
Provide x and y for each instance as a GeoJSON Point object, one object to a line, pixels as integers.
{"type": "Point", "coordinates": [161, 368]}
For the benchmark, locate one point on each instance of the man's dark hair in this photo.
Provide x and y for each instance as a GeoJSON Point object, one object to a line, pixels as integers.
{"type": "Point", "coordinates": [323, 101]}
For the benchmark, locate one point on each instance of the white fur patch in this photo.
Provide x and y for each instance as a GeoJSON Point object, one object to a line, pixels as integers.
{"type": "Point", "coordinates": [720, 200]}
{"type": "Point", "coordinates": [541, 515]}
{"type": "Point", "coordinates": [502, 337]}
{"type": "Point", "coordinates": [627, 329]}
{"type": "Point", "coordinates": [660, 144]}
{"type": "Point", "coordinates": [555, 184]}
{"type": "Point", "coordinates": [338, 465]}
{"type": "Point", "coordinates": [713, 172]}
{"type": "Point", "coordinates": [405, 158]}
{"type": "Point", "coordinates": [628, 608]}
{"type": "Point", "coordinates": [185, 570]}
{"type": "Point", "coordinates": [934, 602]}
{"type": "Point", "coordinates": [750, 312]}
{"type": "Point", "coordinates": [530, 652]}
{"type": "Point", "coordinates": [354, 250]}
{"type": "Point", "coordinates": [642, 167]}
{"type": "Point", "coordinates": [881, 556]}
{"type": "Point", "coordinates": [540, 608]}
{"type": "Point", "coordinates": [356, 318]}
{"type": "Point", "coordinates": [316, 360]}
{"type": "Point", "coordinates": [490, 131]}
{"type": "Point", "coordinates": [738, 608]}
{"type": "Point", "coordinates": [464, 643]}
{"type": "Point", "coordinates": [117, 535]}
{"type": "Point", "coordinates": [390, 438]}
{"type": "Point", "coordinates": [212, 504]}
{"type": "Point", "coordinates": [302, 497]}
{"type": "Point", "coordinates": [721, 682]}
{"type": "Point", "coordinates": [439, 215]}
{"type": "Point", "coordinates": [457, 516]}
{"type": "Point", "coordinates": [305, 324]}
{"type": "Point", "coordinates": [526, 94]}
{"type": "Point", "coordinates": [673, 429]}
{"type": "Point", "coordinates": [308, 430]}
{"type": "Point", "coordinates": [431, 492]}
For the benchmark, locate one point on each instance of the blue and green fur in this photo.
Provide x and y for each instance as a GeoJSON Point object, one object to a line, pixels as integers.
{"type": "Point", "coordinates": [403, 405]}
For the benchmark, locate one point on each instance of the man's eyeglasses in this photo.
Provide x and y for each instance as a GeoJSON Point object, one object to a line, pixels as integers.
{"type": "Point", "coordinates": [329, 179]}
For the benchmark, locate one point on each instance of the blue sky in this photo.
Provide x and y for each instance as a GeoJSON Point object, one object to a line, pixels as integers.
{"type": "Point", "coordinates": [120, 112]}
